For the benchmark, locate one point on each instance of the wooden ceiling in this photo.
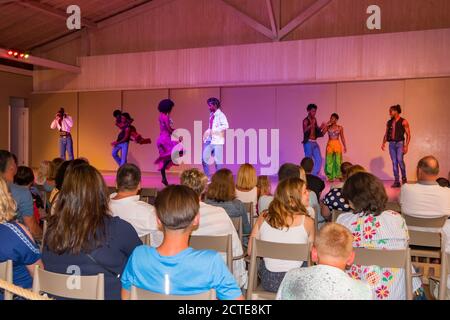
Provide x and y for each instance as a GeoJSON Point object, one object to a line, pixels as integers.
{"type": "Point", "coordinates": [26, 24]}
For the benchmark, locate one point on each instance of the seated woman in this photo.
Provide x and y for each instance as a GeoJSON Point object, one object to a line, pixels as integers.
{"type": "Point", "coordinates": [246, 181]}
{"type": "Point", "coordinates": [83, 233]}
{"type": "Point", "coordinates": [222, 193]}
{"type": "Point", "coordinates": [286, 221]}
{"type": "Point", "coordinates": [264, 193]}
{"type": "Point", "coordinates": [175, 268]}
{"type": "Point", "coordinates": [16, 241]}
{"type": "Point", "coordinates": [375, 227]}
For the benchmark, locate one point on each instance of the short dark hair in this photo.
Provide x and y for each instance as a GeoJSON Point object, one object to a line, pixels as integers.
{"type": "Point", "coordinates": [117, 113]}
{"type": "Point", "coordinates": [61, 173]}
{"type": "Point", "coordinates": [176, 206]}
{"type": "Point", "coordinates": [307, 164]}
{"type": "Point", "coordinates": [128, 177]}
{"type": "Point", "coordinates": [335, 115]}
{"type": "Point", "coordinates": [5, 156]}
{"type": "Point", "coordinates": [344, 168]}
{"type": "Point", "coordinates": [24, 176]}
{"type": "Point", "coordinates": [214, 102]}
{"type": "Point", "coordinates": [397, 108]}
{"type": "Point", "coordinates": [429, 165]}
{"type": "Point", "coordinates": [127, 116]}
{"type": "Point", "coordinates": [288, 170]}
{"type": "Point", "coordinates": [443, 182]}
{"type": "Point", "coordinates": [165, 106]}
{"type": "Point", "coordinates": [366, 194]}
{"type": "Point", "coordinates": [311, 106]}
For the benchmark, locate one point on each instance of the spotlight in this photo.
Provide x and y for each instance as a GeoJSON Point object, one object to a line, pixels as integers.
{"type": "Point", "coordinates": [26, 56]}
{"type": "Point", "coordinates": [16, 54]}
{"type": "Point", "coordinates": [10, 53]}
{"type": "Point", "coordinates": [21, 55]}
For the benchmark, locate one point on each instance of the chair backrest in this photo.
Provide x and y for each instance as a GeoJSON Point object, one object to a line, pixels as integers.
{"type": "Point", "coordinates": [147, 240]}
{"type": "Point", "coordinates": [44, 231]}
{"type": "Point", "coordinates": [217, 243]}
{"type": "Point", "coordinates": [148, 195]}
{"type": "Point", "coordinates": [249, 207]}
{"type": "Point", "coordinates": [60, 285]}
{"type": "Point", "coordinates": [394, 206]}
{"type": "Point", "coordinates": [237, 222]}
{"type": "Point", "coordinates": [6, 274]}
{"type": "Point", "coordinates": [388, 259]}
{"type": "Point", "coordinates": [425, 222]}
{"type": "Point", "coordinates": [140, 294]}
{"type": "Point", "coordinates": [425, 238]}
{"type": "Point", "coordinates": [445, 273]}
{"type": "Point", "coordinates": [274, 250]}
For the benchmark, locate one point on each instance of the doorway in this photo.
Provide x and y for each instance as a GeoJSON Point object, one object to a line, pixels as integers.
{"type": "Point", "coordinates": [19, 129]}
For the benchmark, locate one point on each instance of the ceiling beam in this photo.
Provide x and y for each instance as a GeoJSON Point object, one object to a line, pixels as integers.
{"type": "Point", "coordinates": [303, 17]}
{"type": "Point", "coordinates": [249, 21]}
{"type": "Point", "coordinates": [51, 11]}
{"type": "Point", "coordinates": [273, 22]}
{"type": "Point", "coordinates": [42, 62]}
{"type": "Point", "coordinates": [15, 70]}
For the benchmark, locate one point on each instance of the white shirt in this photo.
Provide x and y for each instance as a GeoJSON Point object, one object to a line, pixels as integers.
{"type": "Point", "coordinates": [139, 214]}
{"type": "Point", "coordinates": [248, 196]}
{"type": "Point", "coordinates": [67, 124]}
{"type": "Point", "coordinates": [214, 221]}
{"type": "Point", "coordinates": [220, 124]}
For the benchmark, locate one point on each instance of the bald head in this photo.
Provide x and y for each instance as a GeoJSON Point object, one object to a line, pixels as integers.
{"type": "Point", "coordinates": [428, 169]}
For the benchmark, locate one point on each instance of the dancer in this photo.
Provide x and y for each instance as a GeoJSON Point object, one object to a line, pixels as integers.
{"type": "Point", "coordinates": [125, 118]}
{"type": "Point", "coordinates": [396, 129]}
{"type": "Point", "coordinates": [123, 139]}
{"type": "Point", "coordinates": [63, 122]}
{"type": "Point", "coordinates": [165, 143]}
{"type": "Point", "coordinates": [214, 137]}
{"type": "Point", "coordinates": [333, 158]}
{"type": "Point", "coordinates": [311, 132]}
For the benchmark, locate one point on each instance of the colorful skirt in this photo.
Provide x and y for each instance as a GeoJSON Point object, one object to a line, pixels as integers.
{"type": "Point", "coordinates": [333, 160]}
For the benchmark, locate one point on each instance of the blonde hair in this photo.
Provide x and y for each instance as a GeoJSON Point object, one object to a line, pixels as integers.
{"type": "Point", "coordinates": [287, 202]}
{"type": "Point", "coordinates": [7, 204]}
{"type": "Point", "coordinates": [44, 169]}
{"type": "Point", "coordinates": [264, 186]}
{"type": "Point", "coordinates": [334, 240]}
{"type": "Point", "coordinates": [195, 179]}
{"type": "Point", "coordinates": [246, 177]}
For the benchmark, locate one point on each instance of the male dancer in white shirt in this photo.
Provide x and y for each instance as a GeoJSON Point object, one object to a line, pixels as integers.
{"type": "Point", "coordinates": [63, 122]}
{"type": "Point", "coordinates": [214, 137]}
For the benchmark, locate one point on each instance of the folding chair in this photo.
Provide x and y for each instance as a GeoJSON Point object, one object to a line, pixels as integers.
{"type": "Point", "coordinates": [237, 222]}
{"type": "Point", "coordinates": [251, 213]}
{"type": "Point", "coordinates": [444, 292]}
{"type": "Point", "coordinates": [44, 231]}
{"type": "Point", "coordinates": [426, 244]}
{"type": "Point", "coordinates": [274, 250]}
{"type": "Point", "coordinates": [140, 294]}
{"type": "Point", "coordinates": [90, 287]}
{"type": "Point", "coordinates": [388, 259]}
{"type": "Point", "coordinates": [147, 240]}
{"type": "Point", "coordinates": [6, 274]}
{"type": "Point", "coordinates": [149, 195]}
{"type": "Point", "coordinates": [217, 243]}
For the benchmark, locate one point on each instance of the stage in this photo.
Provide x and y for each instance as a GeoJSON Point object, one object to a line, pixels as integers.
{"type": "Point", "coordinates": [153, 180]}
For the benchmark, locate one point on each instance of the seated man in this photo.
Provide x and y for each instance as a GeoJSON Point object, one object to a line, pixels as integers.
{"type": "Point", "coordinates": [214, 221]}
{"type": "Point", "coordinates": [314, 183]}
{"type": "Point", "coordinates": [174, 268]}
{"type": "Point", "coordinates": [126, 204]}
{"type": "Point", "coordinates": [333, 252]}
{"type": "Point", "coordinates": [21, 194]}
{"type": "Point", "coordinates": [426, 199]}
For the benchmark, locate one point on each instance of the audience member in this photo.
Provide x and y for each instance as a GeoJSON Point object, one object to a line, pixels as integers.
{"type": "Point", "coordinates": [214, 221]}
{"type": "Point", "coordinates": [264, 193]}
{"type": "Point", "coordinates": [42, 173]}
{"type": "Point", "coordinates": [286, 221]}
{"type": "Point", "coordinates": [314, 183]}
{"type": "Point", "coordinates": [175, 268]}
{"type": "Point", "coordinates": [443, 182]}
{"type": "Point", "coordinates": [246, 181]}
{"type": "Point", "coordinates": [374, 227]}
{"type": "Point", "coordinates": [426, 199]}
{"type": "Point", "coordinates": [16, 241]}
{"type": "Point", "coordinates": [49, 183]}
{"type": "Point", "coordinates": [25, 178]}
{"type": "Point", "coordinates": [333, 252]}
{"type": "Point", "coordinates": [83, 233]}
{"type": "Point", "coordinates": [222, 193]}
{"type": "Point", "coordinates": [126, 204]}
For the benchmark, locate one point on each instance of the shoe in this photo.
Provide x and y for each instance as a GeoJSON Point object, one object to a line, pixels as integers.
{"type": "Point", "coordinates": [396, 185]}
{"type": "Point", "coordinates": [165, 182]}
{"type": "Point", "coordinates": [404, 181]}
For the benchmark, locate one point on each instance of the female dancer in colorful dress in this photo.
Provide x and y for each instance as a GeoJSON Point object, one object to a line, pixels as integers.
{"type": "Point", "coordinates": [165, 143]}
{"type": "Point", "coordinates": [334, 148]}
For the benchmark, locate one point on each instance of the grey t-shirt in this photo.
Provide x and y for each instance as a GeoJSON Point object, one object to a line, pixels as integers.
{"type": "Point", "coordinates": [24, 199]}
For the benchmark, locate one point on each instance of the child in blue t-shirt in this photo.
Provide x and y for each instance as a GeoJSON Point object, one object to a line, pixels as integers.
{"type": "Point", "coordinates": [174, 268]}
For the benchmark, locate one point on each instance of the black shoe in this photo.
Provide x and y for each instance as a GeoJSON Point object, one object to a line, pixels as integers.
{"type": "Point", "coordinates": [404, 181]}
{"type": "Point", "coordinates": [396, 185]}
{"type": "Point", "coordinates": [165, 182]}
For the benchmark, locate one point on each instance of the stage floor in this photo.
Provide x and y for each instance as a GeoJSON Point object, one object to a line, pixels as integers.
{"type": "Point", "coordinates": [153, 180]}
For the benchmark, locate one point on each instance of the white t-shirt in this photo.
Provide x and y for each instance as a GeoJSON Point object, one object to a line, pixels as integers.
{"type": "Point", "coordinates": [139, 214]}
{"type": "Point", "coordinates": [248, 196]}
{"type": "Point", "coordinates": [214, 221]}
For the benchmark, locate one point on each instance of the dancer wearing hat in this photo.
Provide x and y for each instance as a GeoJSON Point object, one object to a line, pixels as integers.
{"type": "Point", "coordinates": [63, 122]}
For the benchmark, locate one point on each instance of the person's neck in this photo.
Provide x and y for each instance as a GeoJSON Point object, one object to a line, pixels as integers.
{"type": "Point", "coordinates": [125, 194]}
{"type": "Point", "coordinates": [397, 117]}
{"type": "Point", "coordinates": [174, 242]}
{"type": "Point", "coordinates": [336, 263]}
{"type": "Point", "coordinates": [427, 180]}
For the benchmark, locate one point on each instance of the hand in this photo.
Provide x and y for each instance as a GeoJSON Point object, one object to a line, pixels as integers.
{"type": "Point", "coordinates": [383, 146]}
{"type": "Point", "coordinates": [405, 149]}
{"type": "Point", "coordinates": [345, 149]}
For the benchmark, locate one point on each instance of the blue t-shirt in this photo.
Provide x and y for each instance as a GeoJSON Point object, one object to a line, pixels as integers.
{"type": "Point", "coordinates": [189, 272]}
{"type": "Point", "coordinates": [24, 199]}
{"type": "Point", "coordinates": [17, 246]}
